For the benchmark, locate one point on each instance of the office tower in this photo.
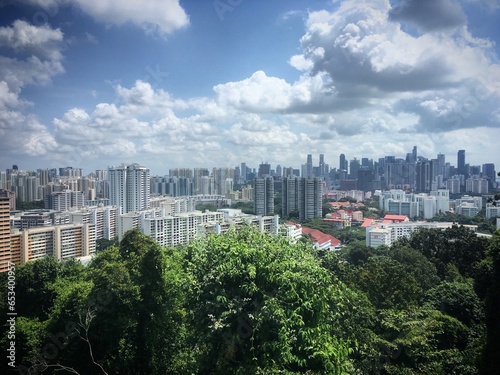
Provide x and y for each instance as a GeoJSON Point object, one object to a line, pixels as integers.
{"type": "Point", "coordinates": [279, 171]}
{"type": "Point", "coordinates": [263, 200]}
{"type": "Point", "coordinates": [489, 173]}
{"type": "Point", "coordinates": [343, 163]}
{"type": "Point", "coordinates": [309, 166]}
{"type": "Point", "coordinates": [461, 162]}
{"type": "Point", "coordinates": [414, 154]}
{"type": "Point", "coordinates": [243, 172]}
{"type": "Point", "coordinates": [310, 198]}
{"type": "Point", "coordinates": [264, 170]}
{"type": "Point", "coordinates": [290, 195]}
{"type": "Point", "coordinates": [365, 180]}
{"type": "Point", "coordinates": [129, 187]}
{"type": "Point", "coordinates": [353, 169]}
{"type": "Point", "coordinates": [4, 233]}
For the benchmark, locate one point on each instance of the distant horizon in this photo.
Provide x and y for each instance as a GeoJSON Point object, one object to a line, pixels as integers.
{"type": "Point", "coordinates": [248, 165]}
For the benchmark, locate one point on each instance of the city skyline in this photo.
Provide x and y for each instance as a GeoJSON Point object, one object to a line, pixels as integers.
{"type": "Point", "coordinates": [203, 84]}
{"type": "Point", "coordinates": [312, 161]}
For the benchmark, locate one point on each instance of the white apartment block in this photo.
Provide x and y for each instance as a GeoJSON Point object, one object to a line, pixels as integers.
{"type": "Point", "coordinates": [60, 241]}
{"type": "Point", "coordinates": [103, 217]}
{"type": "Point", "coordinates": [387, 233]}
{"type": "Point", "coordinates": [397, 202]}
{"type": "Point", "coordinates": [476, 185]}
{"type": "Point", "coordinates": [292, 231]}
{"type": "Point", "coordinates": [468, 206]}
{"type": "Point", "coordinates": [453, 185]}
{"type": "Point", "coordinates": [130, 187]}
{"type": "Point", "coordinates": [179, 229]}
{"type": "Point", "coordinates": [467, 209]}
{"type": "Point", "coordinates": [492, 211]}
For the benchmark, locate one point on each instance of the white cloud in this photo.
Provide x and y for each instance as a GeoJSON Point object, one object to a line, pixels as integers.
{"type": "Point", "coordinates": [25, 37]}
{"type": "Point", "coordinates": [22, 134]}
{"type": "Point", "coordinates": [41, 46]}
{"type": "Point", "coordinates": [165, 15]}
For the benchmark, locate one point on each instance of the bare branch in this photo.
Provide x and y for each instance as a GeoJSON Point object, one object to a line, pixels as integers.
{"type": "Point", "coordinates": [89, 316]}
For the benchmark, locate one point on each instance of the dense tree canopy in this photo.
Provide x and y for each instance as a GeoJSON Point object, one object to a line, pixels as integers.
{"type": "Point", "coordinates": [248, 303]}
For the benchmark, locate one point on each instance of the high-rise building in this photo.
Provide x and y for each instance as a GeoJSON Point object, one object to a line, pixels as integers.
{"type": "Point", "coordinates": [279, 171]}
{"type": "Point", "coordinates": [5, 257]}
{"type": "Point", "coordinates": [461, 162]}
{"type": "Point", "coordinates": [354, 168]}
{"type": "Point", "coordinates": [343, 163]}
{"type": "Point", "coordinates": [129, 187]}
{"type": "Point", "coordinates": [290, 195]}
{"type": "Point", "coordinates": [365, 180]}
{"type": "Point", "coordinates": [243, 172]}
{"type": "Point", "coordinates": [310, 198]}
{"type": "Point", "coordinates": [264, 170]}
{"type": "Point", "coordinates": [264, 196]}
{"type": "Point", "coordinates": [308, 166]}
{"type": "Point", "coordinates": [488, 172]}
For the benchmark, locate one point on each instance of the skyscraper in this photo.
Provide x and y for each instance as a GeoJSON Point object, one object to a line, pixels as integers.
{"type": "Point", "coordinates": [461, 162]}
{"type": "Point", "coordinates": [489, 173]}
{"type": "Point", "coordinates": [263, 199]}
{"type": "Point", "coordinates": [309, 165]}
{"type": "Point", "coordinates": [343, 163]}
{"type": "Point", "coordinates": [354, 168]}
{"type": "Point", "coordinates": [129, 187]}
{"type": "Point", "coordinates": [264, 169]}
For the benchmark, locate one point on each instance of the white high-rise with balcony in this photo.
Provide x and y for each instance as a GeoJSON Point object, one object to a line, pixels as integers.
{"type": "Point", "coordinates": [129, 187]}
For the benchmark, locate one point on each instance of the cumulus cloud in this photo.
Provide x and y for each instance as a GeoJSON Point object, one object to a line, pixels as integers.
{"type": "Point", "coordinates": [41, 40]}
{"type": "Point", "coordinates": [373, 63]}
{"type": "Point", "coordinates": [36, 59]}
{"type": "Point", "coordinates": [166, 15]}
{"type": "Point", "coordinates": [41, 48]}
{"type": "Point", "coordinates": [429, 15]}
{"type": "Point", "coordinates": [142, 122]}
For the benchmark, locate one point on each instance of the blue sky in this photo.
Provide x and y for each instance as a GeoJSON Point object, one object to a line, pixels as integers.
{"type": "Point", "coordinates": [214, 83]}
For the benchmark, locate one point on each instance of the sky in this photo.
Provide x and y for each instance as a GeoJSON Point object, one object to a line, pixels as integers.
{"type": "Point", "coordinates": [169, 83]}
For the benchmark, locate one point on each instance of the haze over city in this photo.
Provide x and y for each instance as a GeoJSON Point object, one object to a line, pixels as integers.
{"type": "Point", "coordinates": [215, 83]}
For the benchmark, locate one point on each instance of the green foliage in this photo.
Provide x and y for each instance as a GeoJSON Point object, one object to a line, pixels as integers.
{"type": "Point", "coordinates": [456, 245]}
{"type": "Point", "coordinates": [491, 360]}
{"type": "Point", "coordinates": [246, 207]}
{"type": "Point", "coordinates": [24, 206]}
{"type": "Point", "coordinates": [102, 243]}
{"type": "Point", "coordinates": [456, 299]}
{"type": "Point", "coordinates": [248, 303]}
{"type": "Point", "coordinates": [264, 306]}
{"type": "Point", "coordinates": [424, 342]}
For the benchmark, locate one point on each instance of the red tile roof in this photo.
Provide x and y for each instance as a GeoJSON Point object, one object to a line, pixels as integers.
{"type": "Point", "coordinates": [321, 237]}
{"type": "Point", "coordinates": [396, 218]}
{"type": "Point", "coordinates": [367, 223]}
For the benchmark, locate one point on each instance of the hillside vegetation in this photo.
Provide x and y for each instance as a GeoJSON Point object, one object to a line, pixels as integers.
{"type": "Point", "coordinates": [248, 303]}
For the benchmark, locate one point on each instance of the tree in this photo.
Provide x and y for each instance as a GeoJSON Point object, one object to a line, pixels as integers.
{"type": "Point", "coordinates": [386, 283]}
{"type": "Point", "coordinates": [261, 305]}
{"type": "Point", "coordinates": [456, 245]}
{"type": "Point", "coordinates": [491, 359]}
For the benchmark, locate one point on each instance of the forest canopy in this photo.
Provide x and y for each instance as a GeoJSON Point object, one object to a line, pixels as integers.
{"type": "Point", "coordinates": [249, 303]}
